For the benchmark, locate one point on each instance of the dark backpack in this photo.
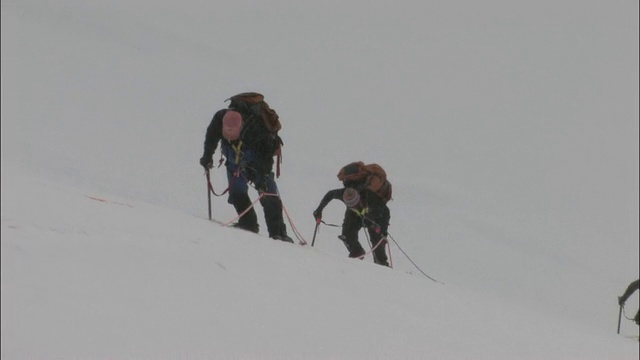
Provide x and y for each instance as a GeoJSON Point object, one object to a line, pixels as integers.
{"type": "Point", "coordinates": [371, 177]}
{"type": "Point", "coordinates": [256, 111]}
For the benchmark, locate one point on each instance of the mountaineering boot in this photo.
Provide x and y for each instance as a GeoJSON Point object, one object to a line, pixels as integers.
{"type": "Point", "coordinates": [248, 221]}
{"type": "Point", "coordinates": [273, 217]}
{"type": "Point", "coordinates": [353, 246]}
{"type": "Point", "coordinates": [380, 259]}
{"type": "Point", "coordinates": [284, 238]}
{"type": "Point", "coordinates": [380, 255]}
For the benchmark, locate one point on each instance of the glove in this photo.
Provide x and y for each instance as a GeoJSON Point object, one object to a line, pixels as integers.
{"type": "Point", "coordinates": [317, 214]}
{"type": "Point", "coordinates": [206, 163]}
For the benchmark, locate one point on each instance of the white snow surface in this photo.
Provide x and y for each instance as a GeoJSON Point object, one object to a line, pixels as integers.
{"type": "Point", "coordinates": [509, 130]}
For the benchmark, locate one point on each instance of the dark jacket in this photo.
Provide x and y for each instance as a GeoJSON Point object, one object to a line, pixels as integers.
{"type": "Point", "coordinates": [377, 214]}
{"type": "Point", "coordinates": [255, 140]}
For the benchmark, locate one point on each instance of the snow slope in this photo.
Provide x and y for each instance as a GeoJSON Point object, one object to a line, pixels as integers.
{"type": "Point", "coordinates": [509, 131]}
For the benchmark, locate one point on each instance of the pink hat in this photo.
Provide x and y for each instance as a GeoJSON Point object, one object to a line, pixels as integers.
{"type": "Point", "coordinates": [231, 125]}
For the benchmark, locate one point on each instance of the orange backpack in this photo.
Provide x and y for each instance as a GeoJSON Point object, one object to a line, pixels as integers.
{"type": "Point", "coordinates": [371, 177]}
{"type": "Point", "coordinates": [253, 104]}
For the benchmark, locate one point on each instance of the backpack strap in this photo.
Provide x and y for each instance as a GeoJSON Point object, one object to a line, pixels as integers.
{"type": "Point", "coordinates": [278, 161]}
{"type": "Point", "coordinates": [238, 150]}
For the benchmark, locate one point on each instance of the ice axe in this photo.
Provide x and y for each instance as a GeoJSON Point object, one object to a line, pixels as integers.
{"type": "Point", "coordinates": [619, 318]}
{"type": "Point", "coordinates": [315, 232]}
{"type": "Point", "coordinates": [208, 190]}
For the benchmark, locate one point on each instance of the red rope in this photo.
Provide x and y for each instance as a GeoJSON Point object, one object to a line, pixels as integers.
{"type": "Point", "coordinates": [297, 233]}
{"type": "Point", "coordinates": [244, 212]}
{"type": "Point", "coordinates": [383, 240]}
{"type": "Point", "coordinates": [294, 228]}
{"type": "Point", "coordinates": [235, 177]}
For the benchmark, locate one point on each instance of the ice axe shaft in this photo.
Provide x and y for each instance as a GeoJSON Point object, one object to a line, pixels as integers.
{"type": "Point", "coordinates": [315, 232]}
{"type": "Point", "coordinates": [209, 191]}
{"type": "Point", "coordinates": [619, 318]}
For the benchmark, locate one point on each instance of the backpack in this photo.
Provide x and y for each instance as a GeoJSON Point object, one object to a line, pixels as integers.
{"type": "Point", "coordinates": [371, 177]}
{"type": "Point", "coordinates": [254, 109]}
{"type": "Point", "coordinates": [252, 104]}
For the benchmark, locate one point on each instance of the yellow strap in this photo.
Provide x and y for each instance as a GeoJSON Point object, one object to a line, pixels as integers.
{"type": "Point", "coordinates": [237, 148]}
{"type": "Point", "coordinates": [362, 212]}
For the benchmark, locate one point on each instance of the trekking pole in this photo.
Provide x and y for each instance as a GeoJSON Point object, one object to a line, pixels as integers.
{"type": "Point", "coordinates": [208, 191]}
{"type": "Point", "coordinates": [315, 232]}
{"type": "Point", "coordinates": [619, 318]}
